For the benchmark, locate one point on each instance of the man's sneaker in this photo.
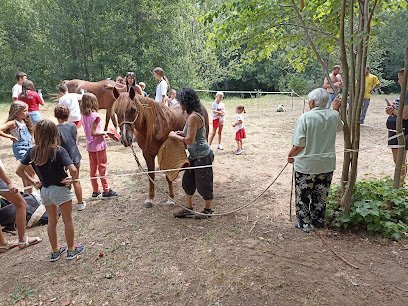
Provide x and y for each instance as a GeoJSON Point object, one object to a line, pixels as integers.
{"type": "Point", "coordinates": [81, 206]}
{"type": "Point", "coordinates": [184, 213]}
{"type": "Point", "coordinates": [220, 147]}
{"type": "Point", "coordinates": [56, 255]}
{"type": "Point", "coordinates": [109, 194]}
{"type": "Point", "coordinates": [207, 214]}
{"type": "Point", "coordinates": [79, 249]}
{"type": "Point", "coordinates": [306, 227]}
{"type": "Point", "coordinates": [96, 194]}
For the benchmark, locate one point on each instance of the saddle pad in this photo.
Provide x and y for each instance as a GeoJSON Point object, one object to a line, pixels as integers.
{"type": "Point", "coordinates": [172, 155]}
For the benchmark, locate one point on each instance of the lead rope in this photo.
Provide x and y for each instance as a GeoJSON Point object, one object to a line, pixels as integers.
{"type": "Point", "coordinates": [198, 213]}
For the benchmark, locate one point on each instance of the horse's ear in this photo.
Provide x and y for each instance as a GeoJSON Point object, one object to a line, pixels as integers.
{"type": "Point", "coordinates": [132, 93]}
{"type": "Point", "coordinates": [116, 93]}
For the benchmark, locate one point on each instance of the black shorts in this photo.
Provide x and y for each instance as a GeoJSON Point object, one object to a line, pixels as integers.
{"type": "Point", "coordinates": [200, 179]}
{"type": "Point", "coordinates": [391, 125]}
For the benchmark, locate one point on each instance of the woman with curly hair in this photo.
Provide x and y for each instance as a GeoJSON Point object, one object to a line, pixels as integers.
{"type": "Point", "coordinates": [201, 154]}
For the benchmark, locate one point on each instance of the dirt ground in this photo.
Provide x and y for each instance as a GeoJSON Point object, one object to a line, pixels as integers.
{"type": "Point", "coordinates": [138, 256]}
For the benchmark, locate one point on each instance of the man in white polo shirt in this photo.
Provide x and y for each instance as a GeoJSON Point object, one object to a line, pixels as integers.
{"type": "Point", "coordinates": [18, 88]}
{"type": "Point", "coordinates": [314, 156]}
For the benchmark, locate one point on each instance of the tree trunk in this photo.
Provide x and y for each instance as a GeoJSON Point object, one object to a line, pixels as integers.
{"type": "Point", "coordinates": [398, 178]}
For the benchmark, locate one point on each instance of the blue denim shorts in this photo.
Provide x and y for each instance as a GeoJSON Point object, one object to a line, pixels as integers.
{"type": "Point", "coordinates": [55, 195]}
{"type": "Point", "coordinates": [35, 116]}
{"type": "Point", "coordinates": [19, 150]}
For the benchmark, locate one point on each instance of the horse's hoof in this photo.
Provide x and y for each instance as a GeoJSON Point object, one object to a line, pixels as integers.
{"type": "Point", "coordinates": [148, 203]}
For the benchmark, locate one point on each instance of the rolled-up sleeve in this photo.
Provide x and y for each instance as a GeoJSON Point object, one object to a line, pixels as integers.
{"type": "Point", "coordinates": [299, 137]}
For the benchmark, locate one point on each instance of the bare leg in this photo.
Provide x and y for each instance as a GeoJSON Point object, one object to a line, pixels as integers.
{"type": "Point", "coordinates": [78, 188]}
{"type": "Point", "coordinates": [212, 136]}
{"type": "Point", "coordinates": [18, 201]}
{"type": "Point", "coordinates": [150, 167]}
{"type": "Point", "coordinates": [189, 201]}
{"type": "Point", "coordinates": [66, 212]}
{"type": "Point", "coordinates": [207, 204]}
{"type": "Point", "coordinates": [52, 212]}
{"type": "Point", "coordinates": [220, 133]}
{"type": "Point", "coordinates": [2, 240]}
{"type": "Point", "coordinates": [30, 171]}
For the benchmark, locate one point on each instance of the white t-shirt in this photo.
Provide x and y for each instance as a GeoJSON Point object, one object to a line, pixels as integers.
{"type": "Point", "coordinates": [16, 91]}
{"type": "Point", "coordinates": [218, 107]}
{"type": "Point", "coordinates": [174, 102]}
{"type": "Point", "coordinates": [70, 100]}
{"type": "Point", "coordinates": [161, 90]}
{"type": "Point", "coordinates": [239, 117]}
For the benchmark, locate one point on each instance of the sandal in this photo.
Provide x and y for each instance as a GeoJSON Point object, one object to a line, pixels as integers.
{"type": "Point", "coordinates": [6, 247]}
{"type": "Point", "coordinates": [184, 213]}
{"type": "Point", "coordinates": [206, 211]}
{"type": "Point", "coordinates": [27, 242]}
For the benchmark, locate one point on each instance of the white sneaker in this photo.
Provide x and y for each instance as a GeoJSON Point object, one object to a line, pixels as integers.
{"type": "Point", "coordinates": [238, 152]}
{"type": "Point", "coordinates": [81, 206]}
{"type": "Point", "coordinates": [220, 147]}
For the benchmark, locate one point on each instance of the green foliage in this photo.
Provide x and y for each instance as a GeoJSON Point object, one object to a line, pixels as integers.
{"type": "Point", "coordinates": [376, 207]}
{"type": "Point", "coordinates": [21, 293]}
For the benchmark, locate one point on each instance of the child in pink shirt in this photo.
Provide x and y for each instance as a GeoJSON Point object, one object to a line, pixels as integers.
{"type": "Point", "coordinates": [95, 145]}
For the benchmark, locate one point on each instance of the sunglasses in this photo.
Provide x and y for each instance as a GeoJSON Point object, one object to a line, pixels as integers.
{"type": "Point", "coordinates": [130, 74]}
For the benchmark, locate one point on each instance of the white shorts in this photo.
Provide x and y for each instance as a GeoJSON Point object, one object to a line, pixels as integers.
{"type": "Point", "coordinates": [55, 195]}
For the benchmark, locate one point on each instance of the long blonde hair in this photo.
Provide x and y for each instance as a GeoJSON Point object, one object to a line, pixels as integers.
{"type": "Point", "coordinates": [88, 104]}
{"type": "Point", "coordinates": [15, 108]}
{"type": "Point", "coordinates": [47, 139]}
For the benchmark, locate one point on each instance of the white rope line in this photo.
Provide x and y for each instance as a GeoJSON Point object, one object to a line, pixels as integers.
{"type": "Point", "coordinates": [249, 92]}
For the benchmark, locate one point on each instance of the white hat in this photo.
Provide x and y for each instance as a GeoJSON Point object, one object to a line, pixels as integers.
{"type": "Point", "coordinates": [219, 93]}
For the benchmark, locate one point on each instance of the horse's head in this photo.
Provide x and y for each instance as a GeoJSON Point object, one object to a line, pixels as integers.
{"type": "Point", "coordinates": [127, 113]}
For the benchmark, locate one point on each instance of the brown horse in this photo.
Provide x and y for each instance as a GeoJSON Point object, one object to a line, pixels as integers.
{"type": "Point", "coordinates": [103, 90]}
{"type": "Point", "coordinates": [151, 122]}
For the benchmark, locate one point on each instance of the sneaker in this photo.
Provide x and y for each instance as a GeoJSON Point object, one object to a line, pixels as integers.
{"type": "Point", "coordinates": [306, 227]}
{"type": "Point", "coordinates": [207, 211]}
{"type": "Point", "coordinates": [109, 194]}
{"type": "Point", "coordinates": [79, 249]}
{"type": "Point", "coordinates": [81, 206]}
{"type": "Point", "coordinates": [220, 147]}
{"type": "Point", "coordinates": [96, 194]}
{"type": "Point", "coordinates": [184, 213]}
{"type": "Point", "coordinates": [54, 256]}
{"type": "Point", "coordinates": [238, 152]}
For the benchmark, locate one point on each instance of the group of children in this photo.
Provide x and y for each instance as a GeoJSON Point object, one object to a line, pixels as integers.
{"type": "Point", "coordinates": [46, 152]}
{"type": "Point", "coordinates": [218, 115]}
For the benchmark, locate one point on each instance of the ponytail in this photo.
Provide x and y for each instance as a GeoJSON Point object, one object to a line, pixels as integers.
{"type": "Point", "coordinates": [167, 81]}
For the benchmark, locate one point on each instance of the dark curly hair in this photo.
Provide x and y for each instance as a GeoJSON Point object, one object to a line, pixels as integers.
{"type": "Point", "coordinates": [61, 112]}
{"type": "Point", "coordinates": [189, 101]}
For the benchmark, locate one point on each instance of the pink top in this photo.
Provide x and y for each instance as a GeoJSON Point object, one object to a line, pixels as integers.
{"type": "Point", "coordinates": [93, 143]}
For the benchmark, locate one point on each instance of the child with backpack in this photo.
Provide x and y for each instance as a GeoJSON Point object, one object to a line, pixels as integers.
{"type": "Point", "coordinates": [19, 129]}
{"type": "Point", "coordinates": [96, 145]}
{"type": "Point", "coordinates": [11, 194]}
{"type": "Point", "coordinates": [49, 161]}
{"type": "Point", "coordinates": [68, 138]}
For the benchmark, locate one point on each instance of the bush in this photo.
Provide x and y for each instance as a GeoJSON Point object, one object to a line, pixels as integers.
{"type": "Point", "coordinates": [376, 207]}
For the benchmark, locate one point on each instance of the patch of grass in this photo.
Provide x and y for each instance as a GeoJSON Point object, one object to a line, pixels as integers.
{"type": "Point", "coordinates": [21, 293]}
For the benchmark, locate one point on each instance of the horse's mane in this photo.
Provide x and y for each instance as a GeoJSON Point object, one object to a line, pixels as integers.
{"type": "Point", "coordinates": [156, 119]}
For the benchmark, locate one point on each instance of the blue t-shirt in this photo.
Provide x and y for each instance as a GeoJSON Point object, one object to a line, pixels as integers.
{"type": "Point", "coordinates": [68, 136]}
{"type": "Point", "coordinates": [52, 172]}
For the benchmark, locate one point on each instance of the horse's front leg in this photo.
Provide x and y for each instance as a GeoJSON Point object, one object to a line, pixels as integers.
{"type": "Point", "coordinates": [148, 203]}
{"type": "Point", "coordinates": [171, 192]}
{"type": "Point", "coordinates": [107, 118]}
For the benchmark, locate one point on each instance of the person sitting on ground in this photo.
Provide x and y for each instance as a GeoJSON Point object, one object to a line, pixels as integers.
{"type": "Point", "coordinates": [17, 88]}
{"type": "Point", "coordinates": [71, 101]}
{"type": "Point", "coordinates": [392, 111]}
{"type": "Point", "coordinates": [32, 99]}
{"type": "Point", "coordinates": [172, 101]}
{"type": "Point", "coordinates": [68, 139]}
{"type": "Point", "coordinates": [337, 82]}
{"type": "Point", "coordinates": [49, 161]}
{"type": "Point", "coordinates": [143, 87]}
{"type": "Point", "coordinates": [201, 154]}
{"type": "Point", "coordinates": [314, 157]}
{"type": "Point", "coordinates": [14, 197]}
{"type": "Point", "coordinates": [218, 115]}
